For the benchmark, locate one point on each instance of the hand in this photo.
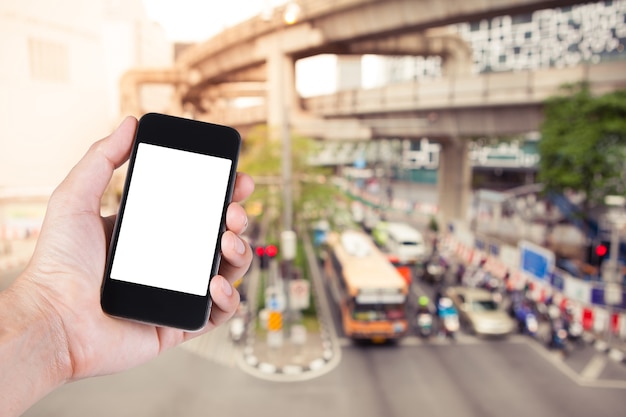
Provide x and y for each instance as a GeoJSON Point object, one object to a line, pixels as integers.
{"type": "Point", "coordinates": [61, 284]}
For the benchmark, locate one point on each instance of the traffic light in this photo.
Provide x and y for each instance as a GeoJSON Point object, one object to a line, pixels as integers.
{"type": "Point", "coordinates": [598, 252]}
{"type": "Point", "coordinates": [265, 253]}
{"type": "Point", "coordinates": [271, 251]}
{"type": "Point", "coordinates": [601, 250]}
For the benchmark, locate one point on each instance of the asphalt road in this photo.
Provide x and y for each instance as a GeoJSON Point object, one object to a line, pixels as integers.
{"type": "Point", "coordinates": [468, 378]}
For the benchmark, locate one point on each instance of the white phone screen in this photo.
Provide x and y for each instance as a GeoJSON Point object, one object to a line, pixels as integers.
{"type": "Point", "coordinates": [171, 220]}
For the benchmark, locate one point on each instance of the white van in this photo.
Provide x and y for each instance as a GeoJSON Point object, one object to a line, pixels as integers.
{"type": "Point", "coordinates": [405, 242]}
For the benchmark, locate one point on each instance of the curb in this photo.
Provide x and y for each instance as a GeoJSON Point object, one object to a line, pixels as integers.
{"type": "Point", "coordinates": [267, 368]}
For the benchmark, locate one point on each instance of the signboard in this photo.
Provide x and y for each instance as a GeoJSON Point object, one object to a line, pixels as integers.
{"type": "Point", "coordinates": [536, 261]}
{"type": "Point", "coordinates": [275, 299]}
{"type": "Point", "coordinates": [299, 294]}
{"type": "Point", "coordinates": [613, 294]}
{"type": "Point", "coordinates": [577, 290]}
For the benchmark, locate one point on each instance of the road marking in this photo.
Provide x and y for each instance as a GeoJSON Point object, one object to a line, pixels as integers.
{"type": "Point", "coordinates": [556, 360]}
{"type": "Point", "coordinates": [594, 368]}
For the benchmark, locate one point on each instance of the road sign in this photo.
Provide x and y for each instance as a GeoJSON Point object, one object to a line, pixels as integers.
{"type": "Point", "coordinates": [274, 321]}
{"type": "Point", "coordinates": [299, 294]}
{"type": "Point", "coordinates": [275, 299]}
{"type": "Point", "coordinates": [536, 260]}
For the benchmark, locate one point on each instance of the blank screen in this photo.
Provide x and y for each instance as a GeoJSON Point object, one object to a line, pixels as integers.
{"type": "Point", "coordinates": [171, 221]}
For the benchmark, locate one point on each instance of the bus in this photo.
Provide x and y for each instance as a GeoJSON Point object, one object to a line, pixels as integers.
{"type": "Point", "coordinates": [369, 290]}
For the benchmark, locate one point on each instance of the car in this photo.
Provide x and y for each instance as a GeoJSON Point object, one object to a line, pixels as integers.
{"type": "Point", "coordinates": [480, 314]}
{"type": "Point", "coordinates": [401, 240]}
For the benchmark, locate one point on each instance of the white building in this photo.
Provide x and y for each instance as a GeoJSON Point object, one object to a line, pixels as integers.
{"type": "Point", "coordinates": [59, 78]}
{"type": "Point", "coordinates": [61, 62]}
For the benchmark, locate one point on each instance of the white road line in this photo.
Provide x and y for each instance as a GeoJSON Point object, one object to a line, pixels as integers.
{"type": "Point", "coordinates": [594, 368]}
{"type": "Point", "coordinates": [557, 362]}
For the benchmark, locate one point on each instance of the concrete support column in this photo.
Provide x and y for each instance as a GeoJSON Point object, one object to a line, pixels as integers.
{"type": "Point", "coordinates": [454, 181]}
{"type": "Point", "coordinates": [281, 87]}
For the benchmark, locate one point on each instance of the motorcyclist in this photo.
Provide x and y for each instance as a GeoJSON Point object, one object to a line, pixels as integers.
{"type": "Point", "coordinates": [558, 331]}
{"type": "Point", "coordinates": [423, 305]}
{"type": "Point", "coordinates": [448, 317]}
{"type": "Point", "coordinates": [424, 317]}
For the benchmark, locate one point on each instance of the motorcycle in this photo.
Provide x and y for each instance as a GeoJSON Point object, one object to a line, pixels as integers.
{"type": "Point", "coordinates": [559, 338]}
{"type": "Point", "coordinates": [425, 324]}
{"type": "Point", "coordinates": [531, 325]}
{"type": "Point", "coordinates": [435, 270]}
{"type": "Point", "coordinates": [559, 342]}
{"type": "Point", "coordinates": [527, 320]}
{"type": "Point", "coordinates": [575, 332]}
{"type": "Point", "coordinates": [449, 318]}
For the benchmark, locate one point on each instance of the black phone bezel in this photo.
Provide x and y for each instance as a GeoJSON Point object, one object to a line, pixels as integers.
{"type": "Point", "coordinates": [155, 305]}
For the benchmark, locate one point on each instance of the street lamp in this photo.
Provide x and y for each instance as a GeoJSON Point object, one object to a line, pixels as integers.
{"type": "Point", "coordinates": [290, 17]}
{"type": "Point", "coordinates": [617, 219]}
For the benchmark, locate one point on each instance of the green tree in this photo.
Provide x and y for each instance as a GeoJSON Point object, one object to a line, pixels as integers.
{"type": "Point", "coordinates": [583, 145]}
{"type": "Point", "coordinates": [313, 194]}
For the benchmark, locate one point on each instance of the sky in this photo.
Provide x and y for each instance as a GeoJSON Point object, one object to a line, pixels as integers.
{"type": "Point", "coordinates": [196, 20]}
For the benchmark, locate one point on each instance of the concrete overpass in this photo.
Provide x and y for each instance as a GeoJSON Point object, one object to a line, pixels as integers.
{"type": "Point", "coordinates": [257, 57]}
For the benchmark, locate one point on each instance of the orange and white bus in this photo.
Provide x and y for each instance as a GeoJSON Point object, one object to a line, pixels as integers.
{"type": "Point", "coordinates": [370, 292]}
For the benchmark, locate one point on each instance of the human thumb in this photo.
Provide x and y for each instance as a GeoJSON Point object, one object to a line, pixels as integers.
{"type": "Point", "coordinates": [85, 184]}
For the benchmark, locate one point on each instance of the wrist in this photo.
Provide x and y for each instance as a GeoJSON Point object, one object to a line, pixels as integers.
{"type": "Point", "coordinates": [33, 349]}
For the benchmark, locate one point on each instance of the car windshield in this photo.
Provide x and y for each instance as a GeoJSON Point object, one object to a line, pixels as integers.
{"type": "Point", "coordinates": [483, 305]}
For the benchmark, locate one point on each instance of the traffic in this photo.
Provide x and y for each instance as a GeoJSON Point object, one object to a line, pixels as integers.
{"type": "Point", "coordinates": [438, 296]}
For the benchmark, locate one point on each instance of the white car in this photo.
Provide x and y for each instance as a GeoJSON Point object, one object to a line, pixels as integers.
{"type": "Point", "coordinates": [480, 313]}
{"type": "Point", "coordinates": [402, 241]}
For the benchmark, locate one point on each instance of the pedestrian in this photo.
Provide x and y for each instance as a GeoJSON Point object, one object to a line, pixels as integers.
{"type": "Point", "coordinates": [52, 328]}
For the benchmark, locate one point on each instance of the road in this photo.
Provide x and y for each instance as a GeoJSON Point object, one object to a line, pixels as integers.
{"type": "Point", "coordinates": [468, 377]}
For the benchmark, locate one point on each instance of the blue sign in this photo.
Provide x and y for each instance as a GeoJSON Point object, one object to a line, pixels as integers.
{"type": "Point", "coordinates": [536, 261]}
{"type": "Point", "coordinates": [558, 281]}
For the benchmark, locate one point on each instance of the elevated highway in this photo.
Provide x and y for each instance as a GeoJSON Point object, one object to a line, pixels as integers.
{"type": "Point", "coordinates": [257, 58]}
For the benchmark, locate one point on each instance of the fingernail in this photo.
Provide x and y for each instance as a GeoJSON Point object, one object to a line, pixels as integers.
{"type": "Point", "coordinates": [226, 287]}
{"type": "Point", "coordinates": [240, 248]}
{"type": "Point", "coordinates": [245, 226]}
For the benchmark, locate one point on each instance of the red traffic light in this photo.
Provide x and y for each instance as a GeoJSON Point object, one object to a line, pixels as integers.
{"type": "Point", "coordinates": [271, 250]}
{"type": "Point", "coordinates": [601, 250]}
{"type": "Point", "coordinates": [260, 251]}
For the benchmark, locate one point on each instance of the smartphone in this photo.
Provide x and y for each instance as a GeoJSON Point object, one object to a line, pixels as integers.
{"type": "Point", "coordinates": [165, 245]}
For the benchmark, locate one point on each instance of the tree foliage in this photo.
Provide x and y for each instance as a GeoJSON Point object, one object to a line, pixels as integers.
{"type": "Point", "coordinates": [583, 145]}
{"type": "Point", "coordinates": [313, 194]}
